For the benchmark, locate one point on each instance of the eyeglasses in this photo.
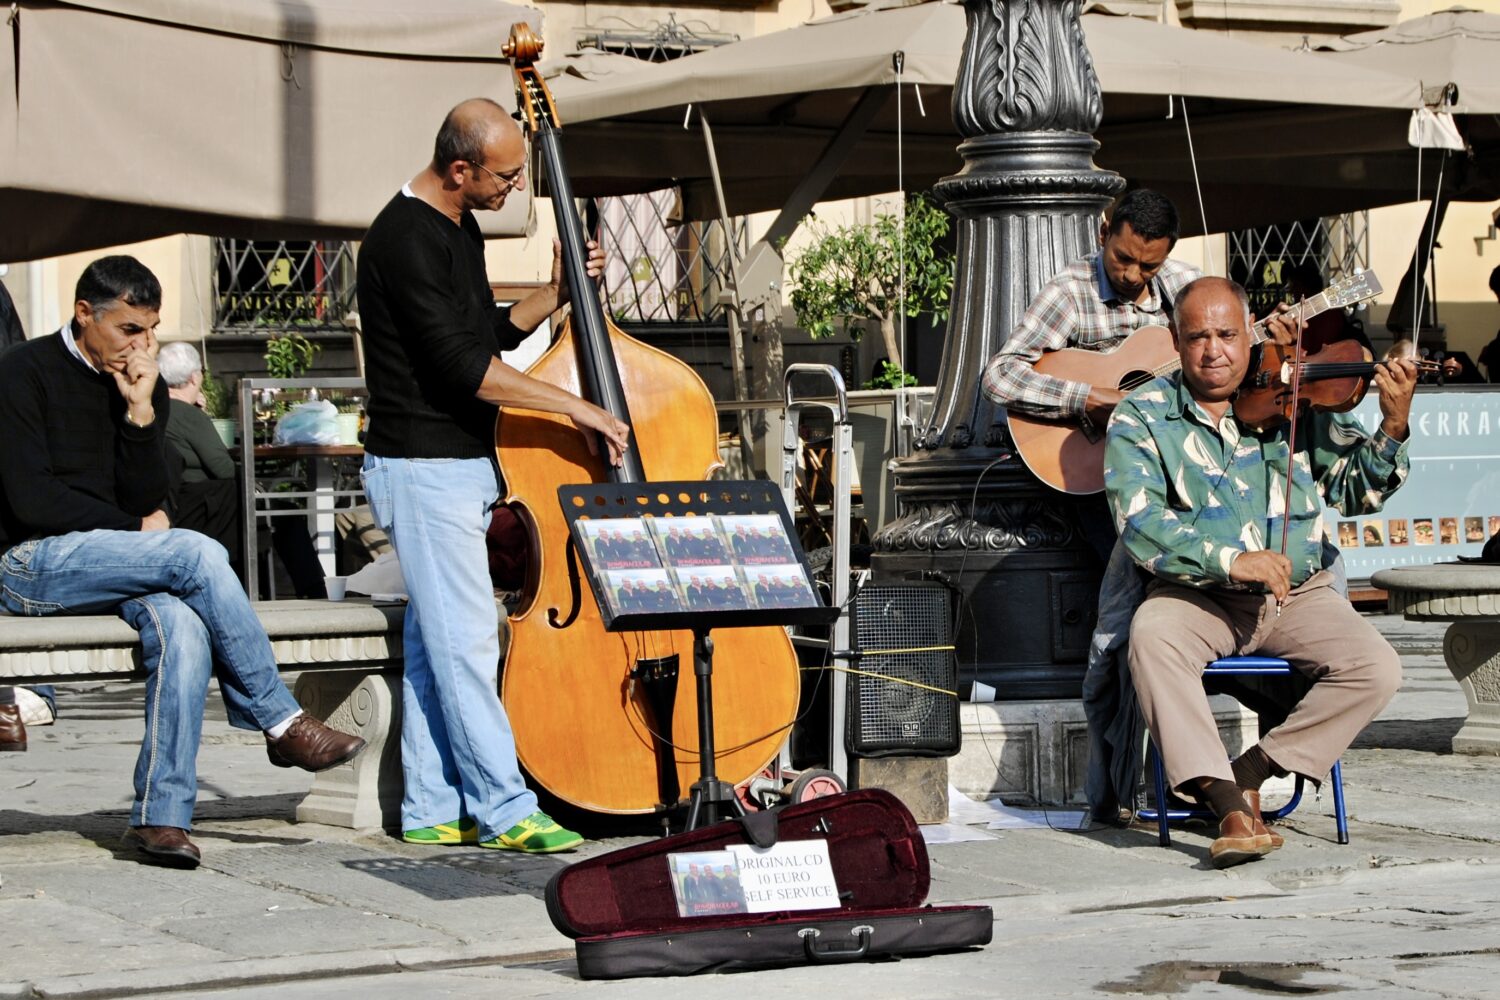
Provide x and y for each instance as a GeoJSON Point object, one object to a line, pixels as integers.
{"type": "Point", "coordinates": [504, 182]}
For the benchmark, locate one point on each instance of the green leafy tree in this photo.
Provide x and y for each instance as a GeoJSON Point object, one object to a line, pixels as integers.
{"type": "Point", "coordinates": [851, 275]}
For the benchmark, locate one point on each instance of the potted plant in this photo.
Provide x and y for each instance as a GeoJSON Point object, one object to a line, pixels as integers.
{"type": "Point", "coordinates": [852, 275]}
{"type": "Point", "coordinates": [216, 405]}
{"type": "Point", "coordinates": [350, 416]}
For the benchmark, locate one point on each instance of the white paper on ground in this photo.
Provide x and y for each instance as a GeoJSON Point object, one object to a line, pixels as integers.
{"type": "Point", "coordinates": [953, 833]}
{"type": "Point", "coordinates": [996, 815]}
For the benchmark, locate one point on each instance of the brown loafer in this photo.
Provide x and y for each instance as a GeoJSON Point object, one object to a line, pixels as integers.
{"type": "Point", "coordinates": [12, 729]}
{"type": "Point", "coordinates": [1252, 799]}
{"type": "Point", "coordinates": [162, 845]}
{"type": "Point", "coordinates": [312, 746]}
{"type": "Point", "coordinates": [1238, 841]}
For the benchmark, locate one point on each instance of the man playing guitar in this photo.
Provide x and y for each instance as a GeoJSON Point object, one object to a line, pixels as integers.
{"type": "Point", "coordinates": [1094, 303]}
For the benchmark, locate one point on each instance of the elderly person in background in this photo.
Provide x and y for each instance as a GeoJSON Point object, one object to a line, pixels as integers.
{"type": "Point", "coordinates": [190, 430]}
{"type": "Point", "coordinates": [205, 492]}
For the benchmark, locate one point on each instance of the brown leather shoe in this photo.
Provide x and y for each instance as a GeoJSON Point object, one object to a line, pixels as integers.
{"type": "Point", "coordinates": [1252, 799]}
{"type": "Point", "coordinates": [1238, 841]}
{"type": "Point", "coordinates": [12, 729]}
{"type": "Point", "coordinates": [312, 746]}
{"type": "Point", "coordinates": [162, 845]}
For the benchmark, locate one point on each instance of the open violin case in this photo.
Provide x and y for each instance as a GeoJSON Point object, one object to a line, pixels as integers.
{"type": "Point", "coordinates": [622, 911]}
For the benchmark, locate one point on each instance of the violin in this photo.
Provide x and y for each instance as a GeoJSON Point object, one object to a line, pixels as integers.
{"type": "Point", "coordinates": [1333, 380]}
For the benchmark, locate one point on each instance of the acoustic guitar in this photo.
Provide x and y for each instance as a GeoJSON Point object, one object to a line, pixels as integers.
{"type": "Point", "coordinates": [1069, 455]}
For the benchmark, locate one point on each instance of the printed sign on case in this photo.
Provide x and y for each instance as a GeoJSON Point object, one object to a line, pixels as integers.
{"type": "Point", "coordinates": [790, 875]}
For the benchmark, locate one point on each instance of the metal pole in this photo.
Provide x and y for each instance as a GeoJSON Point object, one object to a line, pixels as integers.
{"type": "Point", "coordinates": [736, 333]}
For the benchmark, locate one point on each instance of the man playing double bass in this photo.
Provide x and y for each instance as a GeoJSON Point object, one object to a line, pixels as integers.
{"type": "Point", "coordinates": [1201, 503]}
{"type": "Point", "coordinates": [433, 336]}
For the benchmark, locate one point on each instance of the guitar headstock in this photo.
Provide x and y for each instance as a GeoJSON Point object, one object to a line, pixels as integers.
{"type": "Point", "coordinates": [534, 101]}
{"type": "Point", "coordinates": [1351, 289]}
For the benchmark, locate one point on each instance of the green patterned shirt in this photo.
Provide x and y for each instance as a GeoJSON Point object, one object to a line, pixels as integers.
{"type": "Point", "coordinates": [1189, 493]}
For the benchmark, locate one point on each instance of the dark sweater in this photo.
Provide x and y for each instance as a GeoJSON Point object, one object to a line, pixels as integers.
{"type": "Point", "coordinates": [68, 460]}
{"type": "Point", "coordinates": [430, 327]}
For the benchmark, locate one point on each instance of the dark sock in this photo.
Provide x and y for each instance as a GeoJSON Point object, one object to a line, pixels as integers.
{"type": "Point", "coordinates": [1253, 768]}
{"type": "Point", "coordinates": [1223, 797]}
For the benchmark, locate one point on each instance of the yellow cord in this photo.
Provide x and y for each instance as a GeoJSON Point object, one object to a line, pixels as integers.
{"type": "Point", "coordinates": [893, 680]}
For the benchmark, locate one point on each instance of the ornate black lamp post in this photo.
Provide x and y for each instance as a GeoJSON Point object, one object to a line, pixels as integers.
{"type": "Point", "coordinates": [1027, 201]}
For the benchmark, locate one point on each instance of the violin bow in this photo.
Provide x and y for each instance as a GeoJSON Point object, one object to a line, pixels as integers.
{"type": "Point", "coordinates": [1291, 445]}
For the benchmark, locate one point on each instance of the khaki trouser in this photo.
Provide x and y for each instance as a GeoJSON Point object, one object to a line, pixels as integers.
{"type": "Point", "coordinates": [1179, 630]}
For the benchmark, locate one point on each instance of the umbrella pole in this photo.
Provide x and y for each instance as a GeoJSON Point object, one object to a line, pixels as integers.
{"type": "Point", "coordinates": [736, 332]}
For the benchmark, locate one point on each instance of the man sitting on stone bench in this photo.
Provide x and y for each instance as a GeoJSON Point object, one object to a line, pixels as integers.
{"type": "Point", "coordinates": [83, 476]}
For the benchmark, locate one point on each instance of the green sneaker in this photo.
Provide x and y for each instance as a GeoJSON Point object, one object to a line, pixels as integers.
{"type": "Point", "coordinates": [536, 834]}
{"type": "Point", "coordinates": [461, 831]}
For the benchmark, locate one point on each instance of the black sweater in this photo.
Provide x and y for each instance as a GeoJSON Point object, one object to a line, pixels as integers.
{"type": "Point", "coordinates": [68, 459]}
{"type": "Point", "coordinates": [430, 327]}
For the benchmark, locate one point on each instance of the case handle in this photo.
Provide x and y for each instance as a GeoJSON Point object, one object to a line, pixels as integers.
{"type": "Point", "coordinates": [837, 951]}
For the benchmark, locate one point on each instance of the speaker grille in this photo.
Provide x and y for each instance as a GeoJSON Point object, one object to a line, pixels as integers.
{"type": "Point", "coordinates": [887, 717]}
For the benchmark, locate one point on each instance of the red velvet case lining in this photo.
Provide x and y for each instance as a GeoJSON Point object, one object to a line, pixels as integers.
{"type": "Point", "coordinates": [879, 865]}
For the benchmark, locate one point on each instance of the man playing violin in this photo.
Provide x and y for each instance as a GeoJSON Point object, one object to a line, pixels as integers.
{"type": "Point", "coordinates": [433, 336]}
{"type": "Point", "coordinates": [1200, 501]}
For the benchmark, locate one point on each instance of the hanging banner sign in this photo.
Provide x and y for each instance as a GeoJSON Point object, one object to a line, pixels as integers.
{"type": "Point", "coordinates": [1450, 504]}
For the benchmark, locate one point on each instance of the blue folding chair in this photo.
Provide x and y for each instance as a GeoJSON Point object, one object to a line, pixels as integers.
{"type": "Point", "coordinates": [1241, 666]}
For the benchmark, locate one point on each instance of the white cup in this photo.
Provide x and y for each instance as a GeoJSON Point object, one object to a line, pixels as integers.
{"type": "Point", "coordinates": [335, 586]}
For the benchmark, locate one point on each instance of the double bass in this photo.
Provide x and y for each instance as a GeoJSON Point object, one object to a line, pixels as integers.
{"type": "Point", "coordinates": [591, 723]}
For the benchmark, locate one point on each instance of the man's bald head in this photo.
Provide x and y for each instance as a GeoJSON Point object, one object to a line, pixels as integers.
{"type": "Point", "coordinates": [1212, 286]}
{"type": "Point", "coordinates": [468, 129]}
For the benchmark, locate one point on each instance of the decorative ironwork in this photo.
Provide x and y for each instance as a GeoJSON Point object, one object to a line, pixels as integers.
{"type": "Point", "coordinates": [269, 286]}
{"type": "Point", "coordinates": [1025, 68]}
{"type": "Point", "coordinates": [659, 42]}
{"type": "Point", "coordinates": [663, 270]}
{"type": "Point", "coordinates": [1260, 258]}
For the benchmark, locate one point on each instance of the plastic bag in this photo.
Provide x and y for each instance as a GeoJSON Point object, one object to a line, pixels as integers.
{"type": "Point", "coordinates": [313, 422]}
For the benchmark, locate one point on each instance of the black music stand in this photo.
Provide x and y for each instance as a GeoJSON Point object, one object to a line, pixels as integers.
{"type": "Point", "coordinates": [640, 543]}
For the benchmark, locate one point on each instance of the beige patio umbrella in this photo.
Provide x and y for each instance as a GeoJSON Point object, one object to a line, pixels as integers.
{"type": "Point", "coordinates": [1458, 46]}
{"type": "Point", "coordinates": [1260, 115]}
{"type": "Point", "coordinates": [127, 119]}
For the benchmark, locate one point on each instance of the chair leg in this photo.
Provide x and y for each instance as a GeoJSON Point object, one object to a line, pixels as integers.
{"type": "Point", "coordinates": [1162, 806]}
{"type": "Point", "coordinates": [1336, 779]}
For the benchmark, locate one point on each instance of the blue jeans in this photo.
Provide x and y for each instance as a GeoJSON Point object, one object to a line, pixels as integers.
{"type": "Point", "coordinates": [175, 588]}
{"type": "Point", "coordinates": [457, 752]}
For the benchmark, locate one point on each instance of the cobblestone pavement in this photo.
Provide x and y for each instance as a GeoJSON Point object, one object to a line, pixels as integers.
{"type": "Point", "coordinates": [1409, 908]}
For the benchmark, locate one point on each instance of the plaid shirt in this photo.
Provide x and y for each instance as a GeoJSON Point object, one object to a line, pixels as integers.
{"type": "Point", "coordinates": [1190, 493]}
{"type": "Point", "coordinates": [1078, 308]}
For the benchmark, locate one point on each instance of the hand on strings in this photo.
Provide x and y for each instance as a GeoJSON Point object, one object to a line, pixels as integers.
{"type": "Point", "coordinates": [1396, 381]}
{"type": "Point", "coordinates": [1283, 323]}
{"type": "Point", "coordinates": [1101, 403]}
{"type": "Point", "coordinates": [136, 380]}
{"type": "Point", "coordinates": [1271, 569]}
{"type": "Point", "coordinates": [616, 433]}
{"type": "Point", "coordinates": [594, 266]}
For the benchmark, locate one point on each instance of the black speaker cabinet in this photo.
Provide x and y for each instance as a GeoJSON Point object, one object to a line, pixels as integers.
{"type": "Point", "coordinates": [893, 629]}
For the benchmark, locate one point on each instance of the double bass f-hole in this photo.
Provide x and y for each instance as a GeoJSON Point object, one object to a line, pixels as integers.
{"type": "Point", "coordinates": [575, 588]}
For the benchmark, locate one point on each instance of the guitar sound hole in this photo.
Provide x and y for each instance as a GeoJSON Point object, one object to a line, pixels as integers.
{"type": "Point", "coordinates": [1135, 378]}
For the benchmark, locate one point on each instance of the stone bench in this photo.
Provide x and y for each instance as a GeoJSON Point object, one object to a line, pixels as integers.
{"type": "Point", "coordinates": [347, 655]}
{"type": "Point", "coordinates": [1468, 595]}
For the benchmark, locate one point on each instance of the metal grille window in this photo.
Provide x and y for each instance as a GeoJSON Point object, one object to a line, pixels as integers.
{"type": "Point", "coordinates": [270, 286]}
{"type": "Point", "coordinates": [662, 270]}
{"type": "Point", "coordinates": [1259, 259]}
